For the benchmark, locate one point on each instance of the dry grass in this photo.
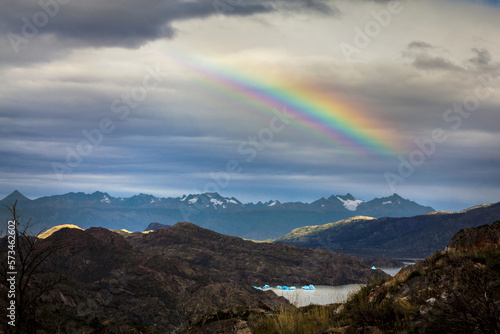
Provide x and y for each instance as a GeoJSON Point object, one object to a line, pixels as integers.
{"type": "Point", "coordinates": [305, 320]}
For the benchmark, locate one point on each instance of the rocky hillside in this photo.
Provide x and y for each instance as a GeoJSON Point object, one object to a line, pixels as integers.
{"type": "Point", "coordinates": [476, 238]}
{"type": "Point", "coordinates": [157, 282]}
{"type": "Point", "coordinates": [452, 291]}
{"type": "Point", "coordinates": [413, 237]}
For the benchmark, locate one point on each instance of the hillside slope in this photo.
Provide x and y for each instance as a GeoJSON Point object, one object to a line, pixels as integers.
{"type": "Point", "coordinates": [452, 291]}
{"type": "Point", "coordinates": [413, 237]}
{"type": "Point", "coordinates": [159, 281]}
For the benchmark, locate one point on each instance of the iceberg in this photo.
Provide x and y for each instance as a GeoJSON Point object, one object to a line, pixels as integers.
{"type": "Point", "coordinates": [308, 287]}
{"type": "Point", "coordinates": [373, 268]}
{"type": "Point", "coordinates": [266, 287]}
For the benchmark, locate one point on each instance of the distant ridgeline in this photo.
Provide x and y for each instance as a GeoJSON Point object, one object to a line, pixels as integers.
{"type": "Point", "coordinates": [225, 215]}
{"type": "Point", "coordinates": [413, 237]}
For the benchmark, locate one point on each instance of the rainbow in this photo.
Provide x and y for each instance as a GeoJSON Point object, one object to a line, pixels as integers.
{"type": "Point", "coordinates": [312, 110]}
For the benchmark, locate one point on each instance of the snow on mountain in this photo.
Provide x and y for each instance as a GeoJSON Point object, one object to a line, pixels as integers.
{"type": "Point", "coordinates": [350, 204]}
{"type": "Point", "coordinates": [216, 202]}
{"type": "Point", "coordinates": [273, 203]}
{"type": "Point", "coordinates": [105, 199]}
{"type": "Point", "coordinates": [209, 200]}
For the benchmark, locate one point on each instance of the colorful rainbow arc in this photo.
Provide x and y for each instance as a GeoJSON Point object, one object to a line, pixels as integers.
{"type": "Point", "coordinates": [312, 109]}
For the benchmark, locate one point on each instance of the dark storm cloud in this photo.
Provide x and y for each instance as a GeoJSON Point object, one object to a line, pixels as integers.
{"type": "Point", "coordinates": [127, 23]}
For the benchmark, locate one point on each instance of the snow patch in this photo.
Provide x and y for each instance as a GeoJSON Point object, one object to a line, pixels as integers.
{"type": "Point", "coordinates": [193, 200]}
{"type": "Point", "coordinates": [105, 200]}
{"type": "Point", "coordinates": [351, 205]}
{"type": "Point", "coordinates": [273, 203]}
{"type": "Point", "coordinates": [216, 202]}
{"type": "Point", "coordinates": [152, 201]}
{"type": "Point", "coordinates": [232, 201]}
{"type": "Point", "coordinates": [388, 202]}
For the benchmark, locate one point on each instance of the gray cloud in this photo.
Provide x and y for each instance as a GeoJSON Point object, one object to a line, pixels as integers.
{"type": "Point", "coordinates": [483, 57]}
{"type": "Point", "coordinates": [127, 23]}
{"type": "Point", "coordinates": [429, 57]}
{"type": "Point", "coordinates": [184, 131]}
{"type": "Point", "coordinates": [420, 45]}
{"type": "Point", "coordinates": [426, 62]}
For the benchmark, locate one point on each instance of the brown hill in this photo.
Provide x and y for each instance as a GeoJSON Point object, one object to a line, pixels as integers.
{"type": "Point", "coordinates": [160, 281]}
{"type": "Point", "coordinates": [453, 291]}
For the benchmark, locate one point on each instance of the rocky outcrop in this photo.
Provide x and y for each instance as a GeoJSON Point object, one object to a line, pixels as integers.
{"type": "Point", "coordinates": [452, 291]}
{"type": "Point", "coordinates": [482, 237]}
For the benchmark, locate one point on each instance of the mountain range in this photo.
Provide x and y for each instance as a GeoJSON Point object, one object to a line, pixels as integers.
{"type": "Point", "coordinates": [227, 215]}
{"type": "Point", "coordinates": [409, 237]}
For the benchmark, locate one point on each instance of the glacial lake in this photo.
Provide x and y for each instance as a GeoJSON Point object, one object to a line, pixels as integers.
{"type": "Point", "coordinates": [325, 294]}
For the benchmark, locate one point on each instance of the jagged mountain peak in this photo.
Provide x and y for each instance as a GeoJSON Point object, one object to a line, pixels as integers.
{"type": "Point", "coordinates": [264, 220]}
{"type": "Point", "coordinates": [350, 202]}
{"type": "Point", "coordinates": [347, 197]}
{"type": "Point", "coordinates": [271, 203]}
{"type": "Point", "coordinates": [209, 200]}
{"type": "Point", "coordinates": [15, 196]}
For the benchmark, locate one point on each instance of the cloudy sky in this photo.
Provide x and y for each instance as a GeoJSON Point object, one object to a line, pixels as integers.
{"type": "Point", "coordinates": [257, 99]}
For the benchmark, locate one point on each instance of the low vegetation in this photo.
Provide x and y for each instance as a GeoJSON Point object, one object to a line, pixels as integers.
{"type": "Point", "coordinates": [310, 319]}
{"type": "Point", "coordinates": [449, 292]}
